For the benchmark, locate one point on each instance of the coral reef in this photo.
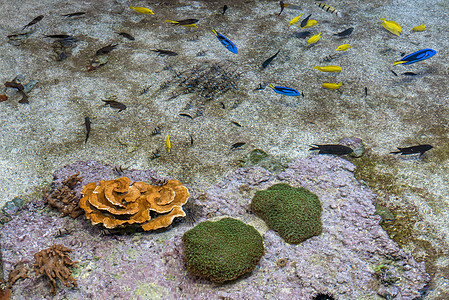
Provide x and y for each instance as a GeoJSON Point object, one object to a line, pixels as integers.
{"type": "Point", "coordinates": [342, 261]}
{"type": "Point", "coordinates": [64, 198]}
{"type": "Point", "coordinates": [116, 203]}
{"type": "Point", "coordinates": [54, 263]}
{"type": "Point", "coordinates": [20, 271]}
{"type": "Point", "coordinates": [295, 213]}
{"type": "Point", "coordinates": [222, 250]}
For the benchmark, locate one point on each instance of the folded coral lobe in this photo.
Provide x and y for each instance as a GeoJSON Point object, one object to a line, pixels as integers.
{"type": "Point", "coordinates": [117, 203]}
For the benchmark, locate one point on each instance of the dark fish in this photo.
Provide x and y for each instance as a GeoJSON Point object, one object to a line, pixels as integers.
{"type": "Point", "coordinates": [268, 61]}
{"type": "Point", "coordinates": [87, 124]}
{"type": "Point", "coordinates": [225, 8]}
{"type": "Point", "coordinates": [18, 35]}
{"type": "Point", "coordinates": [185, 22]}
{"type": "Point", "coordinates": [106, 49]}
{"type": "Point", "coordinates": [126, 35]}
{"type": "Point", "coordinates": [304, 22]}
{"type": "Point", "coordinates": [115, 104]}
{"type": "Point", "coordinates": [68, 41]}
{"type": "Point", "coordinates": [395, 74]}
{"type": "Point", "coordinates": [345, 32]}
{"type": "Point", "coordinates": [191, 139]}
{"type": "Point", "coordinates": [366, 91]}
{"type": "Point", "coordinates": [409, 74]}
{"type": "Point", "coordinates": [282, 5]}
{"type": "Point", "coordinates": [413, 150]}
{"type": "Point", "coordinates": [165, 52]}
{"type": "Point", "coordinates": [75, 14]}
{"type": "Point", "coordinates": [155, 155]}
{"type": "Point", "coordinates": [237, 145]}
{"type": "Point", "coordinates": [415, 57]}
{"type": "Point", "coordinates": [302, 34]}
{"type": "Point", "coordinates": [236, 124]}
{"type": "Point", "coordinates": [34, 21]}
{"type": "Point", "coordinates": [332, 149]}
{"type": "Point", "coordinates": [226, 42]}
{"type": "Point", "coordinates": [186, 115]}
{"type": "Point", "coordinates": [58, 36]}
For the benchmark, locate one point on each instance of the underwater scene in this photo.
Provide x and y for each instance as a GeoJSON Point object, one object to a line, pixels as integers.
{"type": "Point", "coordinates": [241, 149]}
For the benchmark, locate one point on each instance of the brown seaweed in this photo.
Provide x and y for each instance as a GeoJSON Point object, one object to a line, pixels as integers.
{"type": "Point", "coordinates": [65, 199]}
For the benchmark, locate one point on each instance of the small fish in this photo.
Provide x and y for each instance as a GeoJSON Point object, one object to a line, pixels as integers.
{"type": "Point", "coordinates": [310, 23]}
{"type": "Point", "coordinates": [421, 27]}
{"type": "Point", "coordinates": [115, 104]}
{"type": "Point", "coordinates": [185, 23]}
{"type": "Point", "coordinates": [314, 38]}
{"type": "Point", "coordinates": [155, 154]}
{"type": "Point", "coordinates": [282, 5]}
{"type": "Point", "coordinates": [269, 60]}
{"type": "Point", "coordinates": [395, 74]}
{"type": "Point", "coordinates": [168, 143]}
{"type": "Point", "coordinates": [345, 33]}
{"type": "Point", "coordinates": [413, 150]}
{"type": "Point", "coordinates": [186, 115]}
{"type": "Point", "coordinates": [75, 14]}
{"type": "Point", "coordinates": [142, 10]}
{"type": "Point", "coordinates": [226, 42]}
{"type": "Point", "coordinates": [106, 49]}
{"type": "Point", "coordinates": [126, 35]}
{"type": "Point", "coordinates": [366, 91]}
{"type": "Point", "coordinates": [328, 68]}
{"type": "Point", "coordinates": [233, 122]}
{"type": "Point", "coordinates": [343, 47]}
{"type": "Point", "coordinates": [294, 20]}
{"type": "Point", "coordinates": [330, 57]}
{"type": "Point", "coordinates": [87, 124]}
{"type": "Point", "coordinates": [328, 8]}
{"type": "Point", "coordinates": [415, 57]}
{"type": "Point", "coordinates": [302, 34]}
{"type": "Point", "coordinates": [34, 21]}
{"type": "Point", "coordinates": [391, 26]}
{"type": "Point", "coordinates": [332, 149]}
{"type": "Point", "coordinates": [191, 139]}
{"type": "Point", "coordinates": [285, 90]}
{"type": "Point", "coordinates": [332, 86]}
{"type": "Point", "coordinates": [409, 74]}
{"type": "Point", "coordinates": [225, 8]}
{"type": "Point", "coordinates": [165, 52]}
{"type": "Point", "coordinates": [58, 36]}
{"type": "Point", "coordinates": [237, 145]}
{"type": "Point", "coordinates": [304, 22]}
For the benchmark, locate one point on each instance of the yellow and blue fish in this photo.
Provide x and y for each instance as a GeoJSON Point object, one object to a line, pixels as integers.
{"type": "Point", "coordinates": [285, 90]}
{"type": "Point", "coordinates": [226, 42]}
{"type": "Point", "coordinates": [415, 57]}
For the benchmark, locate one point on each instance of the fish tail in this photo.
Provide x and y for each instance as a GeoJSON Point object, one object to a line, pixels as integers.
{"type": "Point", "coordinates": [316, 67]}
{"type": "Point", "coordinates": [214, 31]}
{"type": "Point", "coordinates": [271, 86]}
{"type": "Point", "coordinates": [314, 147]}
{"type": "Point", "coordinates": [170, 21]}
{"type": "Point", "coordinates": [398, 62]}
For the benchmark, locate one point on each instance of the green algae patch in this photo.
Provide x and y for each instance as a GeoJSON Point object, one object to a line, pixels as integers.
{"type": "Point", "coordinates": [223, 250]}
{"type": "Point", "coordinates": [150, 291]}
{"type": "Point", "coordinates": [295, 213]}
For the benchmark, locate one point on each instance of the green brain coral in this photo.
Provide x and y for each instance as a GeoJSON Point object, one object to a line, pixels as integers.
{"type": "Point", "coordinates": [222, 250]}
{"type": "Point", "coordinates": [295, 213]}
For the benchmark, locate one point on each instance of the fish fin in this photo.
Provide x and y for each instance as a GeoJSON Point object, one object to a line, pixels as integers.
{"type": "Point", "coordinates": [314, 147]}
{"type": "Point", "coordinates": [399, 62]}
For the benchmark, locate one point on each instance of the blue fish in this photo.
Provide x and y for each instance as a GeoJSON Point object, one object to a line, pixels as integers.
{"type": "Point", "coordinates": [417, 56]}
{"type": "Point", "coordinates": [226, 42]}
{"type": "Point", "coordinates": [285, 90]}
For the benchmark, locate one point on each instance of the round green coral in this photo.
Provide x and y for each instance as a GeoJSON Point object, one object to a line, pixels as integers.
{"type": "Point", "coordinates": [222, 250]}
{"type": "Point", "coordinates": [295, 213]}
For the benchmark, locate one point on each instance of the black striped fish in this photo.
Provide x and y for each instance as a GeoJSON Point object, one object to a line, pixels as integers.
{"type": "Point", "coordinates": [328, 8]}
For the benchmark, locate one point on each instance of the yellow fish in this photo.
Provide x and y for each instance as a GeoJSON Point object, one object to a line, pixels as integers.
{"type": "Point", "coordinates": [310, 23]}
{"type": "Point", "coordinates": [343, 47]}
{"type": "Point", "coordinates": [421, 27]}
{"type": "Point", "coordinates": [332, 86]}
{"type": "Point", "coordinates": [142, 10]}
{"type": "Point", "coordinates": [314, 38]}
{"type": "Point", "coordinates": [328, 68]}
{"type": "Point", "coordinates": [294, 20]}
{"type": "Point", "coordinates": [167, 143]}
{"type": "Point", "coordinates": [391, 26]}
